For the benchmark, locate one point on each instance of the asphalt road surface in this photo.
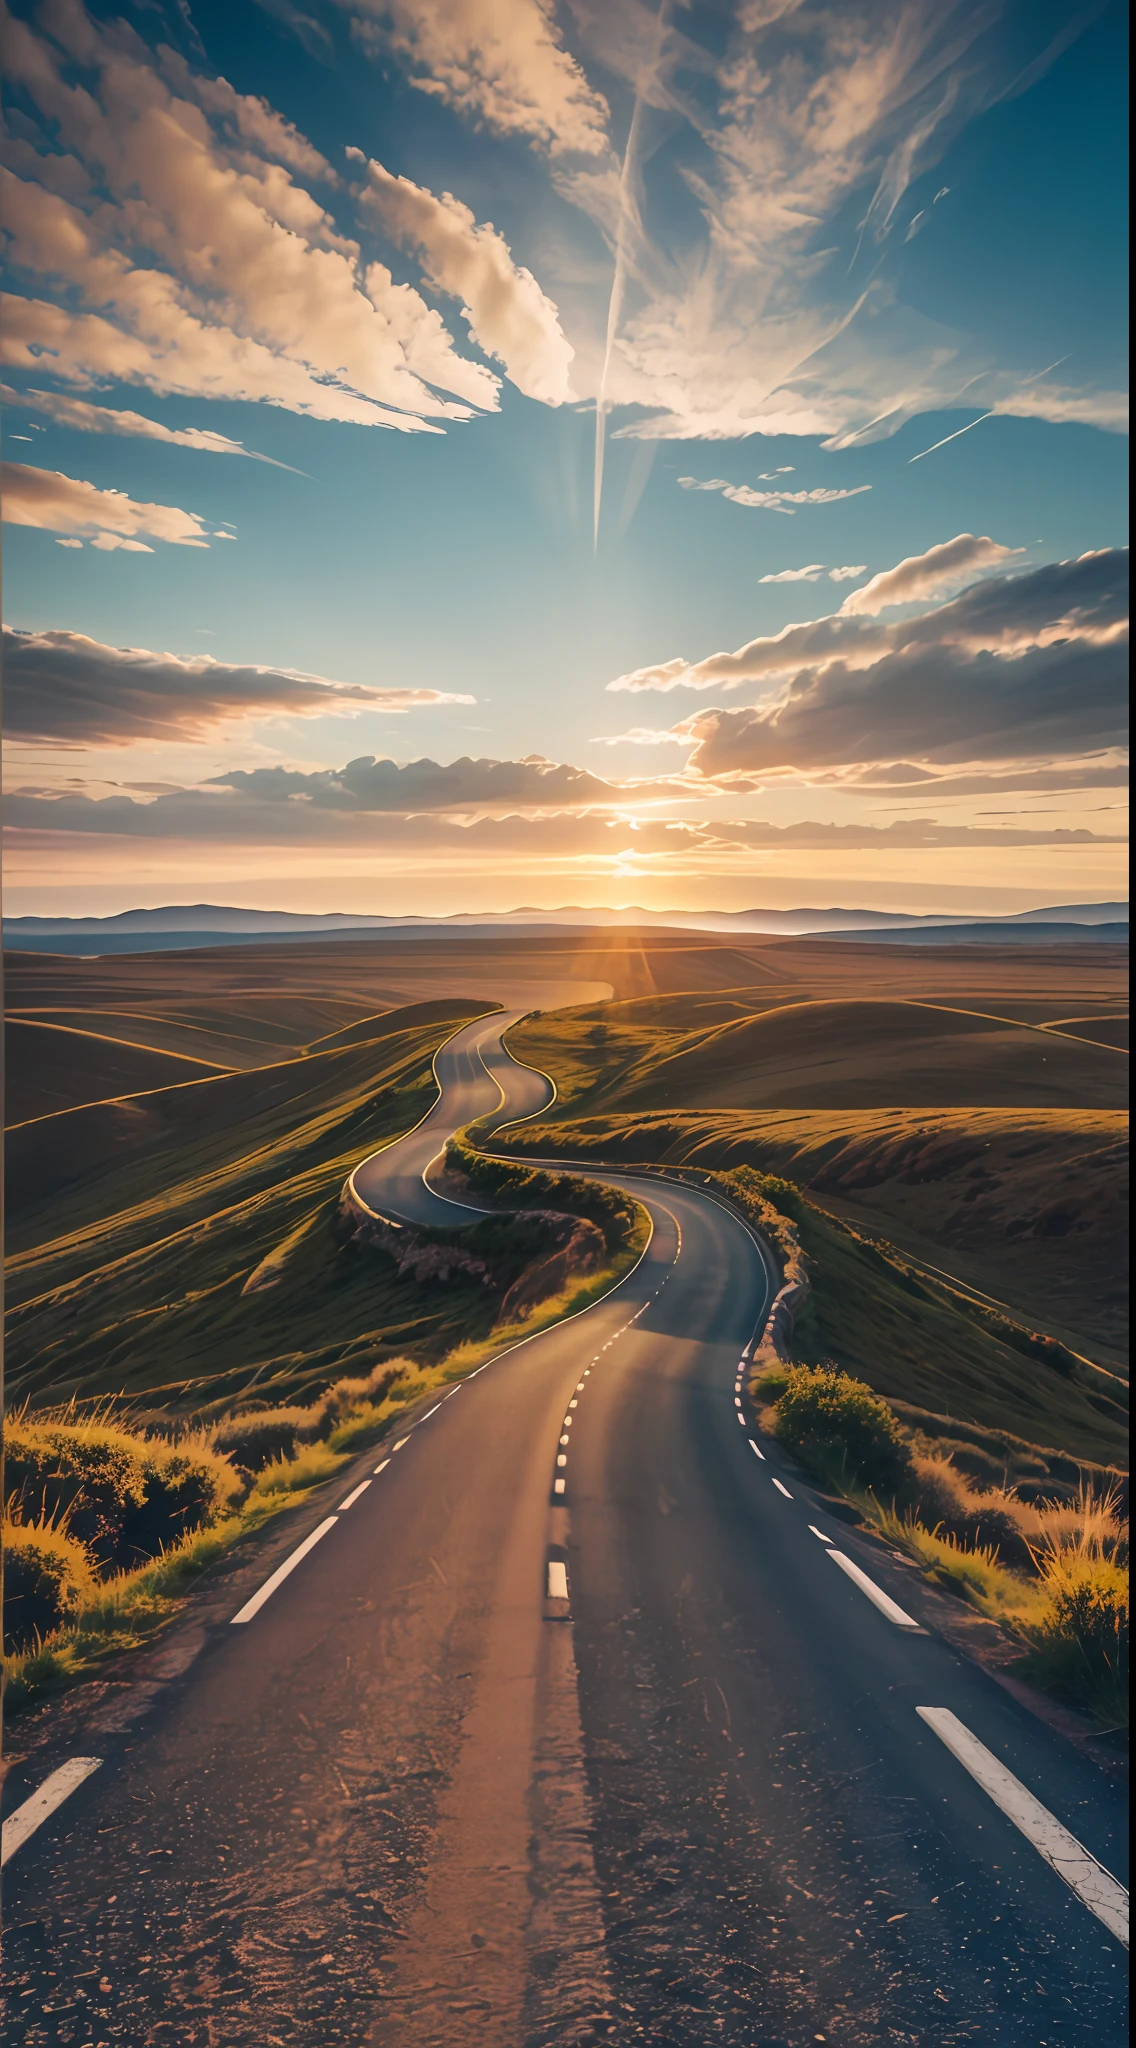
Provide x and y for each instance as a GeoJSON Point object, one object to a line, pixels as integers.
{"type": "Point", "coordinates": [637, 1761]}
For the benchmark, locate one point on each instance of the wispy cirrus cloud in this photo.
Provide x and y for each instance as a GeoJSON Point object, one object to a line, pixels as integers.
{"type": "Point", "coordinates": [65, 410]}
{"type": "Point", "coordinates": [507, 313]}
{"type": "Point", "coordinates": [55, 503]}
{"type": "Point", "coordinates": [199, 263]}
{"type": "Point", "coordinates": [771, 501]}
{"type": "Point", "coordinates": [63, 689]}
{"type": "Point", "coordinates": [811, 573]}
{"type": "Point", "coordinates": [504, 67]}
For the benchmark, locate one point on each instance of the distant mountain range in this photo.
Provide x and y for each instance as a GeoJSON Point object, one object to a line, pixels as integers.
{"type": "Point", "coordinates": [210, 924]}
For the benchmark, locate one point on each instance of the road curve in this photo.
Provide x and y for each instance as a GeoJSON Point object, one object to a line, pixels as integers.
{"type": "Point", "coordinates": [638, 1761]}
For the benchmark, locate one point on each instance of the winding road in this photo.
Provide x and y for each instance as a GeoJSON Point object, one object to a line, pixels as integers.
{"type": "Point", "coordinates": [572, 1716]}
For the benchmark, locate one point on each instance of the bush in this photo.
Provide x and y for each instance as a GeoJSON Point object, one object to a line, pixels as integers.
{"type": "Point", "coordinates": [88, 1472]}
{"type": "Point", "coordinates": [47, 1577]}
{"type": "Point", "coordinates": [840, 1428]}
{"type": "Point", "coordinates": [122, 1496]}
{"type": "Point", "coordinates": [255, 1439]}
{"type": "Point", "coordinates": [187, 1486]}
{"type": "Point", "coordinates": [532, 1188]}
{"type": "Point", "coordinates": [1080, 1643]}
{"type": "Point", "coordinates": [991, 1519]}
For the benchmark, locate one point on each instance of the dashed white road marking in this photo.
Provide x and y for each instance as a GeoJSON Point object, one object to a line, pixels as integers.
{"type": "Point", "coordinates": [562, 1459]}
{"type": "Point", "coordinates": [254, 1605]}
{"type": "Point", "coordinates": [352, 1497]}
{"type": "Point", "coordinates": [875, 1593]}
{"type": "Point", "coordinates": [821, 1534]}
{"type": "Point", "coordinates": [557, 1579]}
{"type": "Point", "coordinates": [403, 1440]}
{"type": "Point", "coordinates": [565, 1439]}
{"type": "Point", "coordinates": [40, 1805]}
{"type": "Point", "coordinates": [756, 1452]}
{"type": "Point", "coordinates": [781, 1489]}
{"type": "Point", "coordinates": [430, 1412]}
{"type": "Point", "coordinates": [1095, 1886]}
{"type": "Point", "coordinates": [738, 1417]}
{"type": "Point", "coordinates": [382, 1467]}
{"type": "Point", "coordinates": [737, 1402]}
{"type": "Point", "coordinates": [558, 1486]}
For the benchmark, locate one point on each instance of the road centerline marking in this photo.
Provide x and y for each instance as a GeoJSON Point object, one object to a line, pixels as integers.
{"type": "Point", "coordinates": [820, 1532]}
{"type": "Point", "coordinates": [754, 1449]}
{"type": "Point", "coordinates": [781, 1488]}
{"type": "Point", "coordinates": [557, 1579]}
{"type": "Point", "coordinates": [40, 1805]}
{"type": "Point", "coordinates": [382, 1467]}
{"type": "Point", "coordinates": [1095, 1886]}
{"type": "Point", "coordinates": [875, 1593]}
{"type": "Point", "coordinates": [352, 1497]}
{"type": "Point", "coordinates": [254, 1605]}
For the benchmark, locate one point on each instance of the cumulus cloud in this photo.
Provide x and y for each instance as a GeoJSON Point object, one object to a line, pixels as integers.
{"type": "Point", "coordinates": [199, 263]}
{"type": "Point", "coordinates": [505, 67]}
{"type": "Point", "coordinates": [809, 574]}
{"type": "Point", "coordinates": [1018, 668]}
{"type": "Point", "coordinates": [770, 501]}
{"type": "Point", "coordinates": [65, 504]}
{"type": "Point", "coordinates": [66, 690]}
{"type": "Point", "coordinates": [465, 785]}
{"type": "Point", "coordinates": [312, 813]}
{"type": "Point", "coordinates": [857, 636]}
{"type": "Point", "coordinates": [507, 313]}
{"type": "Point", "coordinates": [84, 418]}
{"type": "Point", "coordinates": [931, 574]}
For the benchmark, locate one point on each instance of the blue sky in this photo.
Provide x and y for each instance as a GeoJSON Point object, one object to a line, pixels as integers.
{"type": "Point", "coordinates": [783, 249]}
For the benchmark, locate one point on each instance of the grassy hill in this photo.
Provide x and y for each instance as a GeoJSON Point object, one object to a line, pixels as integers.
{"type": "Point", "coordinates": [50, 1067]}
{"type": "Point", "coordinates": [851, 1053]}
{"type": "Point", "coordinates": [137, 1224]}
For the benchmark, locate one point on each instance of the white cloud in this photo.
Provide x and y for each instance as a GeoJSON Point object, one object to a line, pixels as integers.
{"type": "Point", "coordinates": [809, 574]}
{"type": "Point", "coordinates": [84, 418]}
{"type": "Point", "coordinates": [771, 501]}
{"type": "Point", "coordinates": [507, 313]}
{"type": "Point", "coordinates": [848, 573]}
{"type": "Point", "coordinates": [931, 574]}
{"type": "Point", "coordinates": [642, 736]}
{"type": "Point", "coordinates": [502, 65]}
{"type": "Point", "coordinates": [1019, 668]}
{"type": "Point", "coordinates": [201, 266]}
{"type": "Point", "coordinates": [56, 503]}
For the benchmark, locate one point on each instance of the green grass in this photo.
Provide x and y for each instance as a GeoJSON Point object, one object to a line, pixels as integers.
{"type": "Point", "coordinates": [912, 1337]}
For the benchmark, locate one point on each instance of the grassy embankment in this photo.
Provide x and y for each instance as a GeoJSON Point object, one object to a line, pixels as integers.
{"type": "Point", "coordinates": [174, 1307]}
{"type": "Point", "coordinates": [1009, 1485]}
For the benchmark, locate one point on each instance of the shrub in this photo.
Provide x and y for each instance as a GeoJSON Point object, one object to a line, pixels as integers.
{"type": "Point", "coordinates": [187, 1486]}
{"type": "Point", "coordinates": [121, 1495]}
{"type": "Point", "coordinates": [1080, 1642]}
{"type": "Point", "coordinates": [89, 1472]}
{"type": "Point", "coordinates": [839, 1427]}
{"type": "Point", "coordinates": [47, 1577]}
{"type": "Point", "coordinates": [253, 1440]}
{"type": "Point", "coordinates": [990, 1519]}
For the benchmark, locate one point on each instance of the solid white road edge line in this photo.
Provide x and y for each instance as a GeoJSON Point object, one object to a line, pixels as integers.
{"type": "Point", "coordinates": [254, 1605]}
{"type": "Point", "coordinates": [875, 1593]}
{"type": "Point", "coordinates": [782, 1489]}
{"type": "Point", "coordinates": [557, 1580]}
{"type": "Point", "coordinates": [52, 1793]}
{"type": "Point", "coordinates": [352, 1497]}
{"type": "Point", "coordinates": [1095, 1886]}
